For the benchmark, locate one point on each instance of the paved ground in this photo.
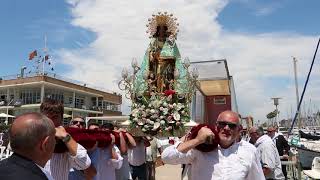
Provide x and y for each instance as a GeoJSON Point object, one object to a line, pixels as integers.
{"type": "Point", "coordinates": [168, 172]}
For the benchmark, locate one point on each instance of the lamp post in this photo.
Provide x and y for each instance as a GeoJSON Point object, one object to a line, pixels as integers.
{"type": "Point", "coordinates": [276, 103]}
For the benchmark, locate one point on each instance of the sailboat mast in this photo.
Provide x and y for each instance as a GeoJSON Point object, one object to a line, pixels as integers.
{"type": "Point", "coordinates": [297, 89]}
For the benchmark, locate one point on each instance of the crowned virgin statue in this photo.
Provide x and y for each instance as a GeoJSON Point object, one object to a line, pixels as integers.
{"type": "Point", "coordinates": [161, 68]}
{"type": "Point", "coordinates": [161, 88]}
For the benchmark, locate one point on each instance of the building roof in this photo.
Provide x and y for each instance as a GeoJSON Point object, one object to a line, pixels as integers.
{"type": "Point", "coordinates": [55, 80]}
{"type": "Point", "coordinates": [213, 76]}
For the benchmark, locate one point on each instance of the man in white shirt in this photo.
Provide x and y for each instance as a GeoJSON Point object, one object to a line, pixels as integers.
{"type": "Point", "coordinates": [151, 157]}
{"type": "Point", "coordinates": [137, 158]}
{"type": "Point", "coordinates": [268, 152]}
{"type": "Point", "coordinates": [76, 157]}
{"type": "Point", "coordinates": [90, 172]}
{"type": "Point", "coordinates": [109, 159]}
{"type": "Point", "coordinates": [231, 160]}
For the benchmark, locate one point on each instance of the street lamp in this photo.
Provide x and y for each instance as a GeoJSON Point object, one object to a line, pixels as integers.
{"type": "Point", "coordinates": [276, 103]}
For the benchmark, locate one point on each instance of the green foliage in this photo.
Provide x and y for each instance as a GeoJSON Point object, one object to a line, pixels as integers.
{"type": "Point", "coordinates": [272, 114]}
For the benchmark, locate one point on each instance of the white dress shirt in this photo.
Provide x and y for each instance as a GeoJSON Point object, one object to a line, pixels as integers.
{"type": "Point", "coordinates": [269, 157]}
{"type": "Point", "coordinates": [238, 162]}
{"type": "Point", "coordinates": [60, 163]}
{"type": "Point", "coordinates": [106, 165]}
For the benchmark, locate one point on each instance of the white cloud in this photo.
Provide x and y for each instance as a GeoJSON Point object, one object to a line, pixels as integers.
{"type": "Point", "coordinates": [253, 59]}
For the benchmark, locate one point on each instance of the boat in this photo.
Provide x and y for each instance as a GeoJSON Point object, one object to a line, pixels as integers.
{"type": "Point", "coordinates": [307, 151]}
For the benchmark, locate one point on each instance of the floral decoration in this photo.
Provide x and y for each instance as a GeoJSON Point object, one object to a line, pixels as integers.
{"type": "Point", "coordinates": [160, 113]}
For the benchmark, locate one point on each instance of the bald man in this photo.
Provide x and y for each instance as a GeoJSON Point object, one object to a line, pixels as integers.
{"type": "Point", "coordinates": [232, 160]}
{"type": "Point", "coordinates": [32, 138]}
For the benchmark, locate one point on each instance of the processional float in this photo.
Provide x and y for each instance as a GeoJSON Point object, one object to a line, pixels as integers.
{"type": "Point", "coordinates": [160, 90]}
{"type": "Point", "coordinates": [162, 87]}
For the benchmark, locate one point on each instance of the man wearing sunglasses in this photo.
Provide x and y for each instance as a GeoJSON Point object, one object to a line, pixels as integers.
{"type": "Point", "coordinates": [90, 172]}
{"type": "Point", "coordinates": [232, 160]}
{"type": "Point", "coordinates": [77, 122]}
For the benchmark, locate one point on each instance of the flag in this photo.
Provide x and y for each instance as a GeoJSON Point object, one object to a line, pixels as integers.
{"type": "Point", "coordinates": [32, 54]}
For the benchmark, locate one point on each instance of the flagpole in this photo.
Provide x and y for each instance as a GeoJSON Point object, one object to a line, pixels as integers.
{"type": "Point", "coordinates": [45, 52]}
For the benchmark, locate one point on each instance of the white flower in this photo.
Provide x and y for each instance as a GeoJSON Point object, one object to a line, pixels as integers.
{"type": "Point", "coordinates": [161, 117]}
{"type": "Point", "coordinates": [135, 119]}
{"type": "Point", "coordinates": [174, 104]}
{"type": "Point", "coordinates": [152, 111]}
{"type": "Point", "coordinates": [176, 116]}
{"type": "Point", "coordinates": [135, 112]}
{"type": "Point", "coordinates": [143, 106]}
{"type": "Point", "coordinates": [164, 104]}
{"type": "Point", "coordinates": [156, 126]}
{"type": "Point", "coordinates": [161, 108]}
{"type": "Point", "coordinates": [150, 122]}
{"type": "Point", "coordinates": [165, 111]}
{"type": "Point", "coordinates": [180, 106]}
{"type": "Point", "coordinates": [162, 122]}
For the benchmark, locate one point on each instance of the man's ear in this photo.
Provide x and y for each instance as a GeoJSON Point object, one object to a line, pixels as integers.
{"type": "Point", "coordinates": [44, 144]}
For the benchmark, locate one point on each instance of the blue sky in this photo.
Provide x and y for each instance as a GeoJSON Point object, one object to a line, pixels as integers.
{"type": "Point", "coordinates": [24, 24]}
{"type": "Point", "coordinates": [263, 16]}
{"type": "Point", "coordinates": [87, 37]}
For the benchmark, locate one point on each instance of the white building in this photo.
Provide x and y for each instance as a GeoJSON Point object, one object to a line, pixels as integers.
{"type": "Point", "coordinates": [20, 94]}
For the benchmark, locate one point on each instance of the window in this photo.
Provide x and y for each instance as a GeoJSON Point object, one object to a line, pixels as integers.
{"type": "Point", "coordinates": [219, 100]}
{"type": "Point", "coordinates": [79, 103]}
{"type": "Point", "coordinates": [54, 94]}
{"type": "Point", "coordinates": [30, 96]}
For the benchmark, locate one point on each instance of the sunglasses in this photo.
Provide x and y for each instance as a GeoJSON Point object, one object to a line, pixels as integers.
{"type": "Point", "coordinates": [252, 133]}
{"type": "Point", "coordinates": [222, 124]}
{"type": "Point", "coordinates": [76, 122]}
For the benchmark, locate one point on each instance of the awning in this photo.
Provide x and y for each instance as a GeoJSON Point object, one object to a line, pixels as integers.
{"type": "Point", "coordinates": [215, 87]}
{"type": "Point", "coordinates": [213, 76]}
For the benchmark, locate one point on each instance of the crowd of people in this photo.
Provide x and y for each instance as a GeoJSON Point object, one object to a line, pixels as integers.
{"type": "Point", "coordinates": [34, 138]}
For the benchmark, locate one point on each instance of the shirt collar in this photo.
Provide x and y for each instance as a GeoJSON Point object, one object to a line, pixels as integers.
{"type": "Point", "coordinates": [45, 172]}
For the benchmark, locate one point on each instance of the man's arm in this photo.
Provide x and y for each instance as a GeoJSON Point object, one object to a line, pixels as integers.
{"type": "Point", "coordinates": [71, 144]}
{"type": "Point", "coordinates": [268, 159]}
{"type": "Point", "coordinates": [78, 156]}
{"type": "Point", "coordinates": [132, 142]}
{"type": "Point", "coordinates": [123, 144]}
{"type": "Point", "coordinates": [116, 159]}
{"type": "Point", "coordinates": [202, 136]}
{"type": "Point", "coordinates": [255, 170]}
{"type": "Point", "coordinates": [183, 153]}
